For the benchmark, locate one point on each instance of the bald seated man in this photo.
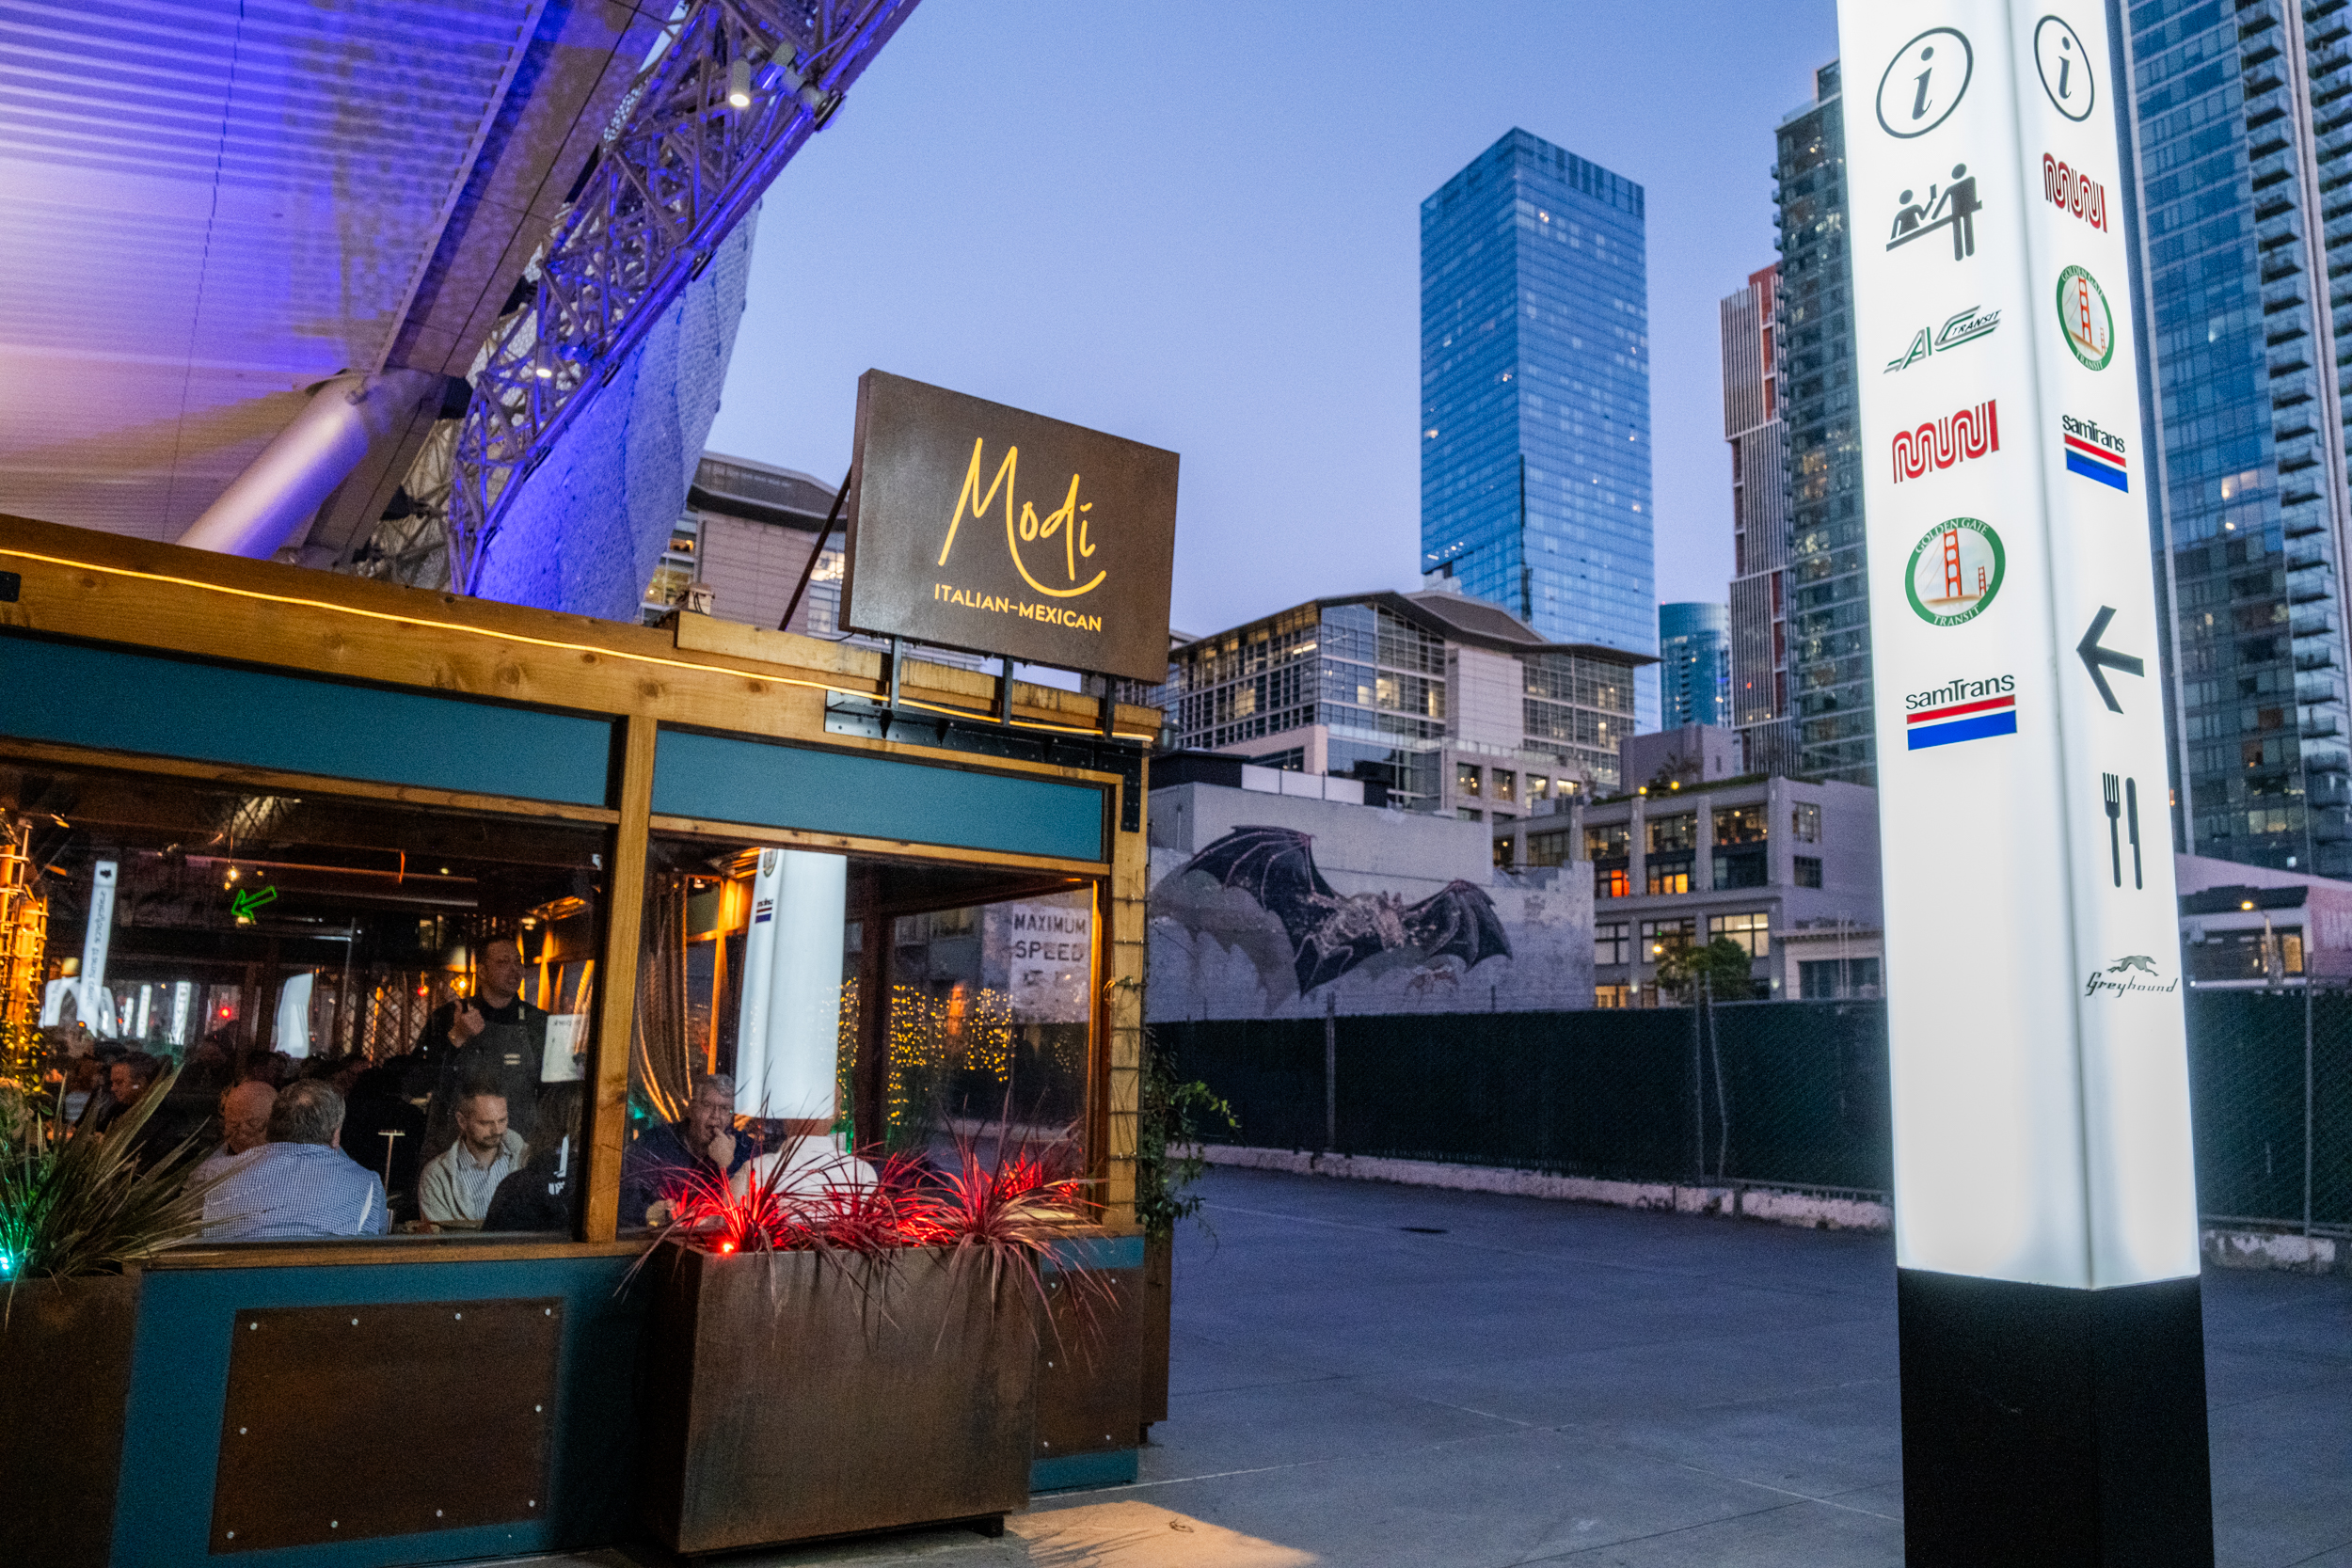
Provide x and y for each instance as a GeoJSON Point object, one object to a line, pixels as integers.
{"type": "Point", "coordinates": [243, 1124]}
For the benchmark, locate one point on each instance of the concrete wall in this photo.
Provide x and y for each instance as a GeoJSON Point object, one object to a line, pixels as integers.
{"type": "Point", "coordinates": [1217, 952]}
{"type": "Point", "coordinates": [1692, 752]}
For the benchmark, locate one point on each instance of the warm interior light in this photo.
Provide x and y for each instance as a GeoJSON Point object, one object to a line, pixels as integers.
{"type": "Point", "coordinates": [740, 82]}
{"type": "Point", "coordinates": [2246, 904]}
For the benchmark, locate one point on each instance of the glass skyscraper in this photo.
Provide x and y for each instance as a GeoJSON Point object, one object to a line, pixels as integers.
{"type": "Point", "coordinates": [1695, 664]}
{"type": "Point", "coordinates": [1534, 354]}
{"type": "Point", "coordinates": [2243, 140]}
{"type": "Point", "coordinates": [1827, 600]}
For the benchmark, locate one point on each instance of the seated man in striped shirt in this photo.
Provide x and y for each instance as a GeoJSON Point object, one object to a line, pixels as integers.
{"type": "Point", "coordinates": [300, 1185]}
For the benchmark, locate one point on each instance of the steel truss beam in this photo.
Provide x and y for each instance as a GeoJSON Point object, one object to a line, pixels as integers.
{"type": "Point", "coordinates": [683, 164]}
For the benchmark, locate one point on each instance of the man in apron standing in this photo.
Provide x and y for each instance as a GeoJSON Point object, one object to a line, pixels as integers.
{"type": "Point", "coordinates": [492, 1037]}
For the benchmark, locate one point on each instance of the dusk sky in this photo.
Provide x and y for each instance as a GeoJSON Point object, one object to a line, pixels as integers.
{"type": "Point", "coordinates": [1200, 227]}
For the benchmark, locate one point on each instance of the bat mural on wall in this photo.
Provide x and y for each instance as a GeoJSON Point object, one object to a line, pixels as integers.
{"type": "Point", "coordinates": [1332, 932]}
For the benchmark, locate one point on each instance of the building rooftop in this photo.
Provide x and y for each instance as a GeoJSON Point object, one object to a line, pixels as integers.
{"type": "Point", "coordinates": [1455, 617]}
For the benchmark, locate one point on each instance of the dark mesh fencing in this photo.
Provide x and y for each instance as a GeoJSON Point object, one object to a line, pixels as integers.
{"type": "Point", "coordinates": [1791, 1093]}
{"type": "Point", "coordinates": [2263, 1067]}
{"type": "Point", "coordinates": [1777, 1093]}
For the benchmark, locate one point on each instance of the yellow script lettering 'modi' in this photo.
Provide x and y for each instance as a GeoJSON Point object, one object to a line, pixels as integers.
{"type": "Point", "coordinates": [1069, 521]}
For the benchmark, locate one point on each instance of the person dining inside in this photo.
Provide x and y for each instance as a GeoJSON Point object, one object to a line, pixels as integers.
{"type": "Point", "coordinates": [661, 1166]}
{"type": "Point", "coordinates": [454, 1190]}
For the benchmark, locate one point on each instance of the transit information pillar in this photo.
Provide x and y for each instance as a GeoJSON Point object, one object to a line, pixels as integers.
{"type": "Point", "coordinates": [2054, 1406]}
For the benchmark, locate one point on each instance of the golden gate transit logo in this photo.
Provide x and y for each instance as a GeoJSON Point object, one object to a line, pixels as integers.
{"type": "Point", "coordinates": [1067, 524]}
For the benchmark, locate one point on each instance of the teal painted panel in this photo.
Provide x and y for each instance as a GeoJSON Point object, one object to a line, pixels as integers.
{"type": "Point", "coordinates": [132, 702]}
{"type": "Point", "coordinates": [179, 1382]}
{"type": "Point", "coordinates": [724, 779]}
{"type": "Point", "coordinates": [1073, 1472]}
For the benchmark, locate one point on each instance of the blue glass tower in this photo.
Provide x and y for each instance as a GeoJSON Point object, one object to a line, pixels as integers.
{"type": "Point", "coordinates": [1694, 652]}
{"type": "Point", "coordinates": [1535, 376]}
{"type": "Point", "coordinates": [2243, 160]}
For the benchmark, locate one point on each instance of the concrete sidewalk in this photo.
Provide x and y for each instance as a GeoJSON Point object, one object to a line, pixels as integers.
{"type": "Point", "coordinates": [1392, 1377]}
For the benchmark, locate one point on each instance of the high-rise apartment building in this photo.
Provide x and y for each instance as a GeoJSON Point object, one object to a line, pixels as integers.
{"type": "Point", "coordinates": [1694, 664]}
{"type": "Point", "coordinates": [1534, 353]}
{"type": "Point", "coordinates": [1758, 701]}
{"type": "Point", "coordinates": [1825, 586]}
{"type": "Point", "coordinates": [2243, 141]}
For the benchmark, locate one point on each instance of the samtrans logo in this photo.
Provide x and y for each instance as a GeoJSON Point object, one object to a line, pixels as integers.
{"type": "Point", "coordinates": [1962, 691]}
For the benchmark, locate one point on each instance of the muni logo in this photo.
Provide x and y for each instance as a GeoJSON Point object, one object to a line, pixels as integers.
{"type": "Point", "coordinates": [1961, 710]}
{"type": "Point", "coordinates": [1940, 443]}
{"type": "Point", "coordinates": [2095, 453]}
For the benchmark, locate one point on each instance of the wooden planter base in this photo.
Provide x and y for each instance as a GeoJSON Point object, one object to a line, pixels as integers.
{"type": "Point", "coordinates": [791, 1395]}
{"type": "Point", "coordinates": [66, 1350]}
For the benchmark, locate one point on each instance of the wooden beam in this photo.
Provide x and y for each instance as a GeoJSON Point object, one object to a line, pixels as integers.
{"type": "Point", "coordinates": [616, 991]}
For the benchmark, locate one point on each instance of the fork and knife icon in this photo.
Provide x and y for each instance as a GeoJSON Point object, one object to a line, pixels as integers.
{"type": "Point", "coordinates": [2122, 801]}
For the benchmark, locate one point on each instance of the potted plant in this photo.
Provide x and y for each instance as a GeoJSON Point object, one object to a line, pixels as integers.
{"type": "Point", "coordinates": [78, 1215]}
{"type": "Point", "coordinates": [1170, 1120]}
{"type": "Point", "coordinates": [859, 1358]}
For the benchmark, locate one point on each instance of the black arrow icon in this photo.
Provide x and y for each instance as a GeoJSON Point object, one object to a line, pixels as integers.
{"type": "Point", "coordinates": [2095, 656]}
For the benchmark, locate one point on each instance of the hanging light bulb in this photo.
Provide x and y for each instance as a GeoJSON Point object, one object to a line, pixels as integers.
{"type": "Point", "coordinates": [740, 82]}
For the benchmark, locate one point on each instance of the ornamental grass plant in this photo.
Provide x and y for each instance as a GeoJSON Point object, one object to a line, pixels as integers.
{"type": "Point", "coordinates": [73, 1203]}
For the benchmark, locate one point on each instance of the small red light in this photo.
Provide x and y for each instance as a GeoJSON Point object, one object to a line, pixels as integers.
{"type": "Point", "coordinates": [726, 1247]}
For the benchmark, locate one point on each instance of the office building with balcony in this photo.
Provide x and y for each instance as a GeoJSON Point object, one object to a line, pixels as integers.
{"type": "Point", "coordinates": [1825, 587]}
{"type": "Point", "coordinates": [2244, 135]}
{"type": "Point", "coordinates": [1535, 441]}
{"type": "Point", "coordinates": [1758, 708]}
{"type": "Point", "coordinates": [1450, 705]}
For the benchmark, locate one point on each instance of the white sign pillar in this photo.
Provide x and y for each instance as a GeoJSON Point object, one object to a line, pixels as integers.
{"type": "Point", "coordinates": [2045, 1203]}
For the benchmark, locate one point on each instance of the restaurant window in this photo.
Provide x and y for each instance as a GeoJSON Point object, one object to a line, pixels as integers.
{"type": "Point", "coordinates": [1551, 847]}
{"type": "Point", "coordinates": [1670, 834]}
{"type": "Point", "coordinates": [1805, 822]}
{"type": "Point", "coordinates": [755, 1050]}
{"type": "Point", "coordinates": [1808, 871]}
{"type": "Point", "coordinates": [380, 1013]}
{"type": "Point", "coordinates": [1609, 942]}
{"type": "Point", "coordinates": [1753, 932]}
{"type": "Point", "coordinates": [1465, 778]}
{"type": "Point", "coordinates": [1506, 784]}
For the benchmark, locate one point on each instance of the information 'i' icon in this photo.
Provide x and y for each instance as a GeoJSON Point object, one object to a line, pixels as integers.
{"type": "Point", "coordinates": [1924, 82]}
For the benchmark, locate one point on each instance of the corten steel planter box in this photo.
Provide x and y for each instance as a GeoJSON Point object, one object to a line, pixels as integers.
{"type": "Point", "coordinates": [1158, 1300]}
{"type": "Point", "coordinates": [65, 1386]}
{"type": "Point", "coordinates": [791, 1395]}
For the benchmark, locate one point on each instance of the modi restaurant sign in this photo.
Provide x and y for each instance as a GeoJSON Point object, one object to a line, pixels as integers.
{"type": "Point", "coordinates": [971, 525]}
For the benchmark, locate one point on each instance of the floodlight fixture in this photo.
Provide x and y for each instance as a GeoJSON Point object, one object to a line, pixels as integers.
{"type": "Point", "coordinates": [740, 82]}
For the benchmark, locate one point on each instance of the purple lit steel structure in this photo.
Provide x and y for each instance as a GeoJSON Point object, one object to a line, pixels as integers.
{"type": "Point", "coordinates": [731, 94]}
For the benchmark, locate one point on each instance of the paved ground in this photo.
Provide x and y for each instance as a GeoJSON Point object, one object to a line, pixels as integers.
{"type": "Point", "coordinates": [1525, 1381]}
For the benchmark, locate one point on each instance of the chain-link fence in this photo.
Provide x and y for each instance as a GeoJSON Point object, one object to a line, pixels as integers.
{"type": "Point", "coordinates": [1775, 1093]}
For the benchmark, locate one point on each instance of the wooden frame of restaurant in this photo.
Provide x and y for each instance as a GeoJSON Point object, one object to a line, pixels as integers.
{"type": "Point", "coordinates": [146, 658]}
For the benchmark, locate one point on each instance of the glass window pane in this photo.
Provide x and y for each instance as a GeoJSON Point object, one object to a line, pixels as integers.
{"type": "Point", "coordinates": [754, 1042]}
{"type": "Point", "coordinates": [381, 1013]}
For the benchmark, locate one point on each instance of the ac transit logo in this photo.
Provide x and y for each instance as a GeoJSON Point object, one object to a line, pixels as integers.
{"type": "Point", "coordinates": [1954, 572]}
{"type": "Point", "coordinates": [2084, 319]}
{"type": "Point", "coordinates": [1940, 443]}
{"type": "Point", "coordinates": [2123, 978]}
{"type": "Point", "coordinates": [1954, 207]}
{"type": "Point", "coordinates": [2095, 454]}
{"type": "Point", "coordinates": [1965, 328]}
{"type": "Point", "coordinates": [2070, 190]}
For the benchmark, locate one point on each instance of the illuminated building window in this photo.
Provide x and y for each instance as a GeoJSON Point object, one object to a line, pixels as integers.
{"type": "Point", "coordinates": [1753, 932]}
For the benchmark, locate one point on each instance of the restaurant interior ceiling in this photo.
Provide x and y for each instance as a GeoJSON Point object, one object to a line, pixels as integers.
{"type": "Point", "coordinates": [212, 206]}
